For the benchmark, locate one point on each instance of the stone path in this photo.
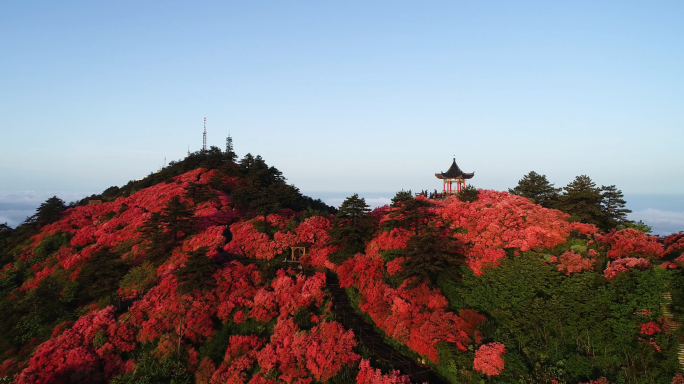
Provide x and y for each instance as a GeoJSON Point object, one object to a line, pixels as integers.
{"type": "Point", "coordinates": [665, 308]}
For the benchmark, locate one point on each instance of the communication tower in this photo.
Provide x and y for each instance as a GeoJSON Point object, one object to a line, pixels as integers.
{"type": "Point", "coordinates": [229, 144]}
{"type": "Point", "coordinates": [204, 137]}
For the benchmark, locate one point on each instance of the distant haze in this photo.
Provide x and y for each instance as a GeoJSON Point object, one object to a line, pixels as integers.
{"type": "Point", "coordinates": [345, 96]}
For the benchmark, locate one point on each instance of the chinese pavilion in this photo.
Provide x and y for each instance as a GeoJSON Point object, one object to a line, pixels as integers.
{"type": "Point", "coordinates": [453, 175]}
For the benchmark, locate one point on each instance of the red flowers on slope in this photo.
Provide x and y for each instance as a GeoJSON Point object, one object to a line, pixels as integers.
{"type": "Point", "coordinates": [369, 375]}
{"type": "Point", "coordinates": [498, 220]}
{"type": "Point", "coordinates": [76, 350]}
{"type": "Point", "coordinates": [488, 359]}
{"type": "Point", "coordinates": [631, 243]}
{"type": "Point", "coordinates": [571, 262]}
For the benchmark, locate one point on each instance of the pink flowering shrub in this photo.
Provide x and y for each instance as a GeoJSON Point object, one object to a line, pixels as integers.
{"type": "Point", "coordinates": [488, 359]}
{"type": "Point", "coordinates": [623, 265]}
{"type": "Point", "coordinates": [370, 375]}
{"type": "Point", "coordinates": [631, 243]}
{"type": "Point", "coordinates": [572, 262]}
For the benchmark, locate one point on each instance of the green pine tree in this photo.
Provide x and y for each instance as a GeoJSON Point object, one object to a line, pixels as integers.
{"type": "Point", "coordinates": [582, 200]}
{"type": "Point", "coordinates": [197, 273]}
{"type": "Point", "coordinates": [101, 275]}
{"type": "Point", "coordinates": [409, 213]}
{"type": "Point", "coordinates": [468, 194]}
{"type": "Point", "coordinates": [537, 189]}
{"type": "Point", "coordinates": [352, 228]}
{"type": "Point", "coordinates": [49, 211]}
{"type": "Point", "coordinates": [613, 207]}
{"type": "Point", "coordinates": [178, 218]}
{"type": "Point", "coordinates": [429, 253]}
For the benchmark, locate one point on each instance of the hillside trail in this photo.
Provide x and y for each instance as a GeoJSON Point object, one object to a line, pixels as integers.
{"type": "Point", "coordinates": [371, 339]}
{"type": "Point", "coordinates": [665, 308]}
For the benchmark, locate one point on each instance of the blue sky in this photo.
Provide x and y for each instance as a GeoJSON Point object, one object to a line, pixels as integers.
{"type": "Point", "coordinates": [345, 96]}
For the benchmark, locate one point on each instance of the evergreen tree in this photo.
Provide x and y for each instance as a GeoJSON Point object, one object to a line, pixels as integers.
{"type": "Point", "coordinates": [264, 190]}
{"type": "Point", "coordinates": [199, 193]}
{"type": "Point", "coordinates": [49, 211]}
{"type": "Point", "coordinates": [165, 228]}
{"type": "Point", "coordinates": [197, 273]}
{"type": "Point", "coordinates": [178, 218]}
{"type": "Point", "coordinates": [352, 228]}
{"type": "Point", "coordinates": [159, 248]}
{"type": "Point", "coordinates": [613, 207]}
{"type": "Point", "coordinates": [429, 253]}
{"type": "Point", "coordinates": [582, 200]}
{"type": "Point", "coordinates": [401, 196]}
{"type": "Point", "coordinates": [468, 193]}
{"type": "Point", "coordinates": [409, 213]}
{"type": "Point", "coordinates": [430, 250]}
{"type": "Point", "coordinates": [5, 233]}
{"type": "Point", "coordinates": [537, 189]}
{"type": "Point", "coordinates": [101, 275]}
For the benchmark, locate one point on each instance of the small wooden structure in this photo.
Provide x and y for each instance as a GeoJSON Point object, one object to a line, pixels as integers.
{"type": "Point", "coordinates": [299, 250]}
{"type": "Point", "coordinates": [94, 202]}
{"type": "Point", "coordinates": [453, 175]}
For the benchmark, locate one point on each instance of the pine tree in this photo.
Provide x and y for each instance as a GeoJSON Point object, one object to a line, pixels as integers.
{"type": "Point", "coordinates": [101, 275]}
{"type": "Point", "coordinates": [429, 253]}
{"type": "Point", "coordinates": [537, 189]}
{"type": "Point", "coordinates": [352, 228]}
{"type": "Point", "coordinates": [264, 190]}
{"type": "Point", "coordinates": [49, 211]}
{"type": "Point", "coordinates": [613, 207]}
{"type": "Point", "coordinates": [582, 200]}
{"type": "Point", "coordinates": [178, 218]}
{"type": "Point", "coordinates": [197, 273]}
{"type": "Point", "coordinates": [409, 213]}
{"type": "Point", "coordinates": [468, 194]}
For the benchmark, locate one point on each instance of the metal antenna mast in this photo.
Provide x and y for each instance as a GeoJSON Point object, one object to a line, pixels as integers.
{"type": "Point", "coordinates": [204, 138]}
{"type": "Point", "coordinates": [229, 144]}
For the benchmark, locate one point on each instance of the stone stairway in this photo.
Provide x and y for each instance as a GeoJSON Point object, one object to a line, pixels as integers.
{"type": "Point", "coordinates": [672, 325]}
{"type": "Point", "coordinates": [371, 339]}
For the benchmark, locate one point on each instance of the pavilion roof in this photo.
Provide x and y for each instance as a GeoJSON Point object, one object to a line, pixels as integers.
{"type": "Point", "coordinates": [454, 172]}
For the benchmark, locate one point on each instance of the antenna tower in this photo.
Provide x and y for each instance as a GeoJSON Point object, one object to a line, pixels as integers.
{"type": "Point", "coordinates": [204, 137]}
{"type": "Point", "coordinates": [229, 144]}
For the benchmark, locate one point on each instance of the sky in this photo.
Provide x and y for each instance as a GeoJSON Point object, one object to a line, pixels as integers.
{"type": "Point", "coordinates": [344, 97]}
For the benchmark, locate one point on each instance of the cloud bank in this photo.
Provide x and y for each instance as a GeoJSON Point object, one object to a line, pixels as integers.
{"type": "Point", "coordinates": [663, 222]}
{"type": "Point", "coordinates": [15, 207]}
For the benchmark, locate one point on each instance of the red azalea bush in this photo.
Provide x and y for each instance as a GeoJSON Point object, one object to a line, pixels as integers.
{"type": "Point", "coordinates": [498, 220]}
{"type": "Point", "coordinates": [601, 380]}
{"type": "Point", "coordinates": [623, 265]}
{"type": "Point", "coordinates": [572, 262]}
{"type": "Point", "coordinates": [415, 316]}
{"type": "Point", "coordinates": [295, 354]}
{"type": "Point", "coordinates": [241, 355]}
{"type": "Point", "coordinates": [370, 375]}
{"type": "Point", "coordinates": [650, 328]}
{"type": "Point", "coordinates": [488, 359]}
{"type": "Point", "coordinates": [73, 351]}
{"type": "Point", "coordinates": [631, 243]}
{"type": "Point", "coordinates": [248, 241]}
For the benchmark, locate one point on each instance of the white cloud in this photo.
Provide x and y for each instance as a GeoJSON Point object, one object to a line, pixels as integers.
{"type": "Point", "coordinates": [16, 206]}
{"type": "Point", "coordinates": [663, 222]}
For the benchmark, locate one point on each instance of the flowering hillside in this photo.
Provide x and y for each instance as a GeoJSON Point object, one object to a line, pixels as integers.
{"type": "Point", "coordinates": [187, 280]}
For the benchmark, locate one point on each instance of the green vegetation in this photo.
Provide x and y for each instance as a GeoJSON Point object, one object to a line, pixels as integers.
{"type": "Point", "coordinates": [602, 206]}
{"type": "Point", "coordinates": [352, 228]}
